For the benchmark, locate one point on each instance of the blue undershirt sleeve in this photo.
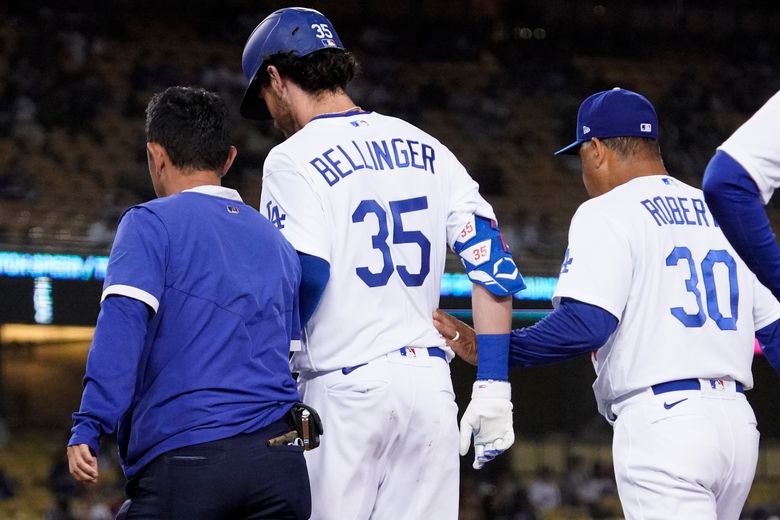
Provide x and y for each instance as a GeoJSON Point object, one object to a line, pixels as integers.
{"type": "Point", "coordinates": [573, 329]}
{"type": "Point", "coordinates": [735, 201]}
{"type": "Point", "coordinates": [315, 273]}
{"type": "Point", "coordinates": [769, 338]}
{"type": "Point", "coordinates": [112, 368]}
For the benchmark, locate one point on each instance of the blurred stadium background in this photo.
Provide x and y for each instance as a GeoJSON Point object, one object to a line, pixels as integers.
{"type": "Point", "coordinates": [498, 81]}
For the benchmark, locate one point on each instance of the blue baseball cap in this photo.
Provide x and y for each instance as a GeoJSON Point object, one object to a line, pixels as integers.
{"type": "Point", "coordinates": [613, 113]}
{"type": "Point", "coordinates": [297, 29]}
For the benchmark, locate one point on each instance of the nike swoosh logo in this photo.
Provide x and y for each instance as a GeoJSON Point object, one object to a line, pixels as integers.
{"type": "Point", "coordinates": [669, 406]}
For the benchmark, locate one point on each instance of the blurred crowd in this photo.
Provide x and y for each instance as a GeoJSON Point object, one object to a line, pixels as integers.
{"type": "Point", "coordinates": [72, 500]}
{"type": "Point", "coordinates": [37, 484]}
{"type": "Point", "coordinates": [502, 96]}
{"type": "Point", "coordinates": [584, 490]}
{"type": "Point", "coordinates": [492, 79]}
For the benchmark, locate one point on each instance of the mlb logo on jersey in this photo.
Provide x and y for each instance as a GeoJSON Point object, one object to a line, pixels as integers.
{"type": "Point", "coordinates": [408, 352]}
{"type": "Point", "coordinates": [232, 209]}
{"type": "Point", "coordinates": [718, 384]}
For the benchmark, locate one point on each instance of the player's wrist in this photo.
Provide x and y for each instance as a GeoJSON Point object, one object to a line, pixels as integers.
{"type": "Point", "coordinates": [493, 357]}
{"type": "Point", "coordinates": [491, 389]}
{"type": "Point", "coordinates": [92, 443]}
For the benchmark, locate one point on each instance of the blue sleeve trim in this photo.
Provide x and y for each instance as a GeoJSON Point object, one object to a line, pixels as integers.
{"type": "Point", "coordinates": [315, 273]}
{"type": "Point", "coordinates": [493, 357]}
{"type": "Point", "coordinates": [573, 329]}
{"type": "Point", "coordinates": [112, 367]}
{"type": "Point", "coordinates": [769, 339]}
{"type": "Point", "coordinates": [735, 201]}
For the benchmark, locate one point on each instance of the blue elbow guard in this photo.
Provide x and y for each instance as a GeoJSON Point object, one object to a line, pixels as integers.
{"type": "Point", "coordinates": [486, 257]}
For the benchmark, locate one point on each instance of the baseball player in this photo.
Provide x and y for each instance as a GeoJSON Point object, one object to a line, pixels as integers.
{"type": "Point", "coordinates": [371, 203]}
{"type": "Point", "coordinates": [739, 179]}
{"type": "Point", "coordinates": [652, 288]}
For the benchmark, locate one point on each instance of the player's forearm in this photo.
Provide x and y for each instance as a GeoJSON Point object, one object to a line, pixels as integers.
{"type": "Point", "coordinates": [492, 314]}
{"type": "Point", "coordinates": [573, 329]}
{"type": "Point", "coordinates": [112, 366]}
{"type": "Point", "coordinates": [734, 200]}
{"type": "Point", "coordinates": [492, 323]}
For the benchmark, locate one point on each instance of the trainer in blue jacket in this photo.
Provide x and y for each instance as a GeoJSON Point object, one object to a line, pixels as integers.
{"type": "Point", "coordinates": [189, 363]}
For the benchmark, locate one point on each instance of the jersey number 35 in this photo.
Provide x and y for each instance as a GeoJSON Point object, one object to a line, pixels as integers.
{"type": "Point", "coordinates": [400, 236]}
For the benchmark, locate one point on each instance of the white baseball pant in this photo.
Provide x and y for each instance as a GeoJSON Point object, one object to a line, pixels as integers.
{"type": "Point", "coordinates": [688, 454]}
{"type": "Point", "coordinates": [390, 445]}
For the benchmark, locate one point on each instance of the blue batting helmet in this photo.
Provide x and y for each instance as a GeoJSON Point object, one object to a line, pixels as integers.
{"type": "Point", "coordinates": [292, 29]}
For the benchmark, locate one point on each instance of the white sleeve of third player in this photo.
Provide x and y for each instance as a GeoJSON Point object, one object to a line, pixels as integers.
{"type": "Point", "coordinates": [756, 146]}
{"type": "Point", "coordinates": [766, 308]}
{"type": "Point", "coordinates": [292, 205]}
{"type": "Point", "coordinates": [598, 267]}
{"type": "Point", "coordinates": [464, 201]}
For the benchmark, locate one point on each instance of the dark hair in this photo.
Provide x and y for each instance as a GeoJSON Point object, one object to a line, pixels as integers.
{"type": "Point", "coordinates": [191, 124]}
{"type": "Point", "coordinates": [634, 147]}
{"type": "Point", "coordinates": [326, 70]}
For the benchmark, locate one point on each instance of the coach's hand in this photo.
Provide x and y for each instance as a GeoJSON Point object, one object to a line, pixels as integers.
{"type": "Point", "coordinates": [489, 418]}
{"type": "Point", "coordinates": [82, 463]}
{"type": "Point", "coordinates": [459, 337]}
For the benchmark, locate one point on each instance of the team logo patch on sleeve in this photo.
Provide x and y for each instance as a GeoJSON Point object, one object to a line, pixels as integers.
{"type": "Point", "coordinates": [567, 261]}
{"type": "Point", "coordinates": [275, 215]}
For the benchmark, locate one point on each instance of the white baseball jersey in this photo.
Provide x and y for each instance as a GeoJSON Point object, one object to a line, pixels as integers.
{"type": "Point", "coordinates": [380, 200]}
{"type": "Point", "coordinates": [650, 253]}
{"type": "Point", "coordinates": [755, 146]}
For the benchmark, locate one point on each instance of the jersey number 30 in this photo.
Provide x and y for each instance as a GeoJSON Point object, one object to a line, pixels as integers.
{"type": "Point", "coordinates": [400, 236]}
{"type": "Point", "coordinates": [714, 256]}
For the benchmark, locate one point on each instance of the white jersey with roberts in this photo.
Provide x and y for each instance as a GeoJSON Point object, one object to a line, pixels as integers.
{"type": "Point", "coordinates": [650, 253]}
{"type": "Point", "coordinates": [756, 146]}
{"type": "Point", "coordinates": [379, 200]}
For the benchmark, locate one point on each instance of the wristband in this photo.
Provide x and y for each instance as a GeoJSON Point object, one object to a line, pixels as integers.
{"type": "Point", "coordinates": [493, 357]}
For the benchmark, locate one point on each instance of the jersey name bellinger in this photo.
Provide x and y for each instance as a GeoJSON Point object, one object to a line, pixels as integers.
{"type": "Point", "coordinates": [337, 163]}
{"type": "Point", "coordinates": [679, 211]}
